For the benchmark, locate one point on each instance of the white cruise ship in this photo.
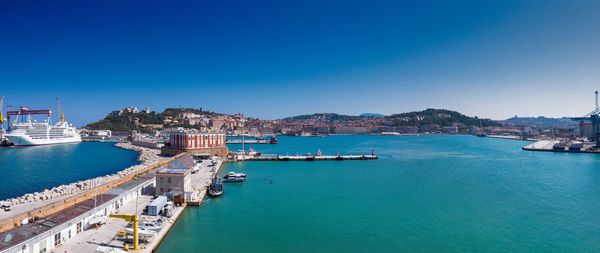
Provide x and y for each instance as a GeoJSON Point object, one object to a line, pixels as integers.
{"type": "Point", "coordinates": [25, 132]}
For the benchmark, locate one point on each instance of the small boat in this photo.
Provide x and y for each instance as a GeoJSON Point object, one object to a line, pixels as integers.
{"type": "Point", "coordinates": [215, 188]}
{"type": "Point", "coordinates": [142, 232]}
{"type": "Point", "coordinates": [152, 225]}
{"type": "Point", "coordinates": [233, 174]}
{"type": "Point", "coordinates": [233, 177]}
{"type": "Point", "coordinates": [233, 180]}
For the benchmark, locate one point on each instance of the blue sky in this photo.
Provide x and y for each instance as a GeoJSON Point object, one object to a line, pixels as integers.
{"type": "Point", "coordinates": [272, 59]}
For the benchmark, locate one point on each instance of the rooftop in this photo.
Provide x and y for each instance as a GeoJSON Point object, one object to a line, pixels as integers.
{"type": "Point", "coordinates": [172, 171]}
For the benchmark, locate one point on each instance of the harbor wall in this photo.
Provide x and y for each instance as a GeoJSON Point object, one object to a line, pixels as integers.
{"type": "Point", "coordinates": [54, 207]}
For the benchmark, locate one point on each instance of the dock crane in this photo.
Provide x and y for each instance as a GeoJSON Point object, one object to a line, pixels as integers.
{"type": "Point", "coordinates": [61, 114]}
{"type": "Point", "coordinates": [2, 119]}
{"type": "Point", "coordinates": [594, 118]}
{"type": "Point", "coordinates": [130, 218]}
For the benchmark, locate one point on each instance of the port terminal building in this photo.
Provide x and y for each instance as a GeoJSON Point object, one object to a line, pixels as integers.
{"type": "Point", "coordinates": [192, 142]}
{"type": "Point", "coordinates": [175, 180]}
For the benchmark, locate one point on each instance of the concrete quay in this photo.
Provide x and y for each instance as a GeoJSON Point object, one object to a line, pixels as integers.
{"type": "Point", "coordinates": [549, 146]}
{"type": "Point", "coordinates": [106, 235]}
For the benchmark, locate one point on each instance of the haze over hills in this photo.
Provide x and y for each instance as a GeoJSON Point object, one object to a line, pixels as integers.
{"type": "Point", "coordinates": [374, 115]}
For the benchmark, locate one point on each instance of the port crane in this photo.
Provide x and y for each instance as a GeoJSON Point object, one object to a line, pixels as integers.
{"type": "Point", "coordinates": [130, 218]}
{"type": "Point", "coordinates": [61, 114]}
{"type": "Point", "coordinates": [594, 118]}
{"type": "Point", "coordinates": [2, 119]}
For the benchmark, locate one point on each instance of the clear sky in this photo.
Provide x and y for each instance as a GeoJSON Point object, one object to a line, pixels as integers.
{"type": "Point", "coordinates": [272, 59]}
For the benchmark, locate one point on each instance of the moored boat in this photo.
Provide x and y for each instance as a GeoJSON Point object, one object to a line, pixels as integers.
{"type": "Point", "coordinates": [233, 177]}
{"type": "Point", "coordinates": [273, 140]}
{"type": "Point", "coordinates": [215, 188]}
{"type": "Point", "coordinates": [233, 174]}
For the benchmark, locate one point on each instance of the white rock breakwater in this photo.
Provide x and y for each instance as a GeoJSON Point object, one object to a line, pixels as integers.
{"type": "Point", "coordinates": [147, 157]}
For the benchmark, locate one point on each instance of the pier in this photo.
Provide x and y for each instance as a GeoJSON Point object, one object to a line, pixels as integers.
{"type": "Point", "coordinates": [307, 157]}
{"type": "Point", "coordinates": [248, 142]}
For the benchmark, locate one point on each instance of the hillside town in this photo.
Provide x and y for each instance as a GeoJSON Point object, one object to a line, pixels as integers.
{"type": "Point", "coordinates": [431, 121]}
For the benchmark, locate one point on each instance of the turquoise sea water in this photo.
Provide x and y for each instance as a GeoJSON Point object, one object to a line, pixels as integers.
{"type": "Point", "coordinates": [30, 169]}
{"type": "Point", "coordinates": [424, 194]}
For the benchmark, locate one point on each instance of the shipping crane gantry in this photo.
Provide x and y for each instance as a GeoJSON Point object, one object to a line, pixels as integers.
{"type": "Point", "coordinates": [594, 118]}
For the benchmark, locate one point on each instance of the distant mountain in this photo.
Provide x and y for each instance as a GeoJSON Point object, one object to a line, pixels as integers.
{"type": "Point", "coordinates": [323, 117]}
{"type": "Point", "coordinates": [541, 122]}
{"type": "Point", "coordinates": [439, 117]}
{"type": "Point", "coordinates": [372, 115]}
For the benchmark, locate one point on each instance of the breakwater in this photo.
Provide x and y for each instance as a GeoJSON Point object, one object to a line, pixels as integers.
{"type": "Point", "coordinates": [50, 201]}
{"type": "Point", "coordinates": [146, 157]}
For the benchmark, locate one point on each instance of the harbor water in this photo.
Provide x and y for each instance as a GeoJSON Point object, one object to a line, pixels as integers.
{"type": "Point", "coordinates": [30, 169]}
{"type": "Point", "coordinates": [424, 194]}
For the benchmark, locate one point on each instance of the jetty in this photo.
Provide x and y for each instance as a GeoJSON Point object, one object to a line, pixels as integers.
{"type": "Point", "coordinates": [259, 141]}
{"type": "Point", "coordinates": [310, 157]}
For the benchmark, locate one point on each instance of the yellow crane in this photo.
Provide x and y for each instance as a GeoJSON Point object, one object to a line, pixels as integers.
{"type": "Point", "coordinates": [130, 218]}
{"type": "Point", "coordinates": [61, 114]}
{"type": "Point", "coordinates": [2, 119]}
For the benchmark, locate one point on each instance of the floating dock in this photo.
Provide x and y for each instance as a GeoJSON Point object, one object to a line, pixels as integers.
{"type": "Point", "coordinates": [249, 142]}
{"type": "Point", "coordinates": [309, 158]}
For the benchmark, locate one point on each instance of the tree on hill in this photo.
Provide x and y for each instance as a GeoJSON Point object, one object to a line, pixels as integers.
{"type": "Point", "coordinates": [439, 117]}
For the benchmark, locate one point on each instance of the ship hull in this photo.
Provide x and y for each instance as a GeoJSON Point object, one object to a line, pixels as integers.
{"type": "Point", "coordinates": [24, 140]}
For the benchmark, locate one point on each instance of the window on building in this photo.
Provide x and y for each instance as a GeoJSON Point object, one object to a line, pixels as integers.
{"type": "Point", "coordinates": [42, 246]}
{"type": "Point", "coordinates": [78, 227]}
{"type": "Point", "coordinates": [169, 180]}
{"type": "Point", "coordinates": [57, 239]}
{"type": "Point", "coordinates": [69, 233]}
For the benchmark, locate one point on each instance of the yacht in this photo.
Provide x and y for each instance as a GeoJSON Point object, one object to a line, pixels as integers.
{"type": "Point", "coordinates": [233, 177]}
{"type": "Point", "coordinates": [233, 174]}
